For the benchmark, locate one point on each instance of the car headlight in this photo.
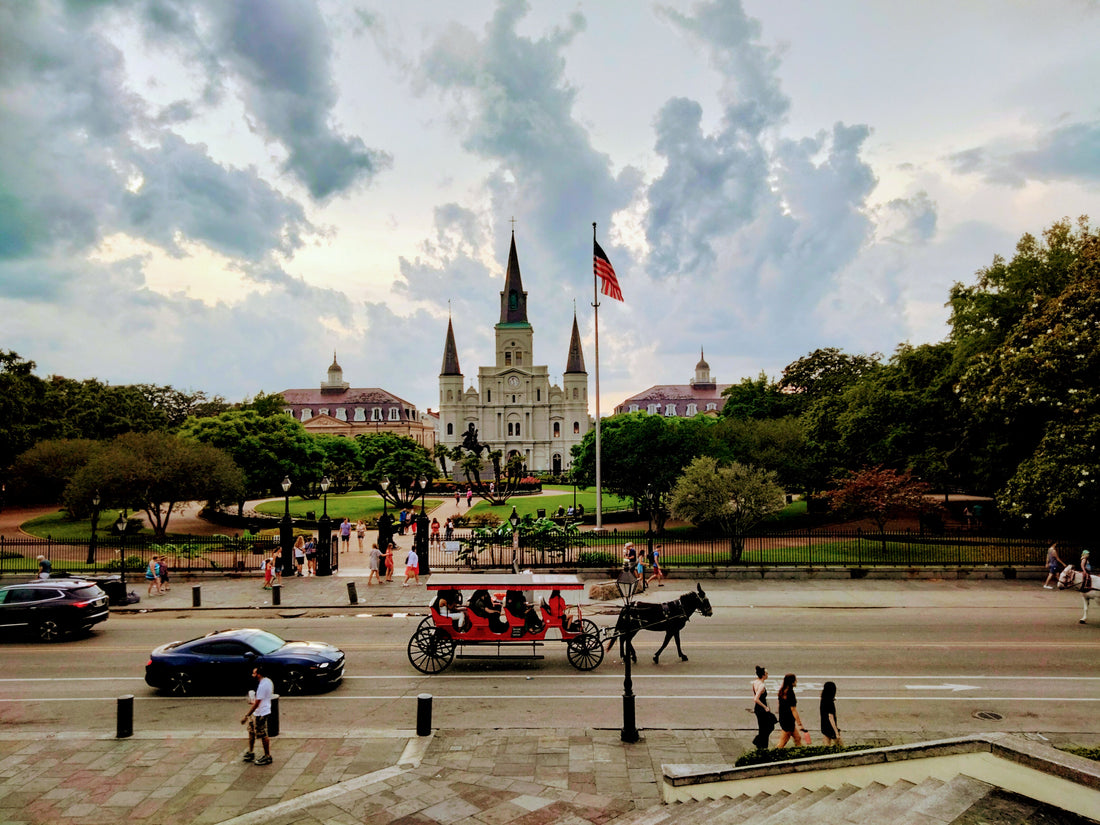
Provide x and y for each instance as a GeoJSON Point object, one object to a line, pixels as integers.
{"type": "Point", "coordinates": [323, 665]}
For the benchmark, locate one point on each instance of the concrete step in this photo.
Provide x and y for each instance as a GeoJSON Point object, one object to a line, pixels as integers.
{"type": "Point", "coordinates": [759, 806]}
{"type": "Point", "coordinates": [827, 807]}
{"type": "Point", "coordinates": [947, 802]}
{"type": "Point", "coordinates": [792, 811]}
{"type": "Point", "coordinates": [866, 808]}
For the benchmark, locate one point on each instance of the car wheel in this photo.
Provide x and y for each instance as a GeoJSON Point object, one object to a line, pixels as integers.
{"type": "Point", "coordinates": [294, 682]}
{"type": "Point", "coordinates": [180, 683]}
{"type": "Point", "coordinates": [49, 630]}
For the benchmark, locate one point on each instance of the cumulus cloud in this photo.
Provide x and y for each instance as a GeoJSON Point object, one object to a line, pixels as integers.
{"type": "Point", "coordinates": [1069, 152]}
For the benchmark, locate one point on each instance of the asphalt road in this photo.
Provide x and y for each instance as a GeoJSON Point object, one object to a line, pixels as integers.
{"type": "Point", "coordinates": [896, 669]}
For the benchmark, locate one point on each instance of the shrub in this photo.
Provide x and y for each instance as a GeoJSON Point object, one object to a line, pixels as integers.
{"type": "Point", "coordinates": [784, 754]}
{"type": "Point", "coordinates": [597, 558]}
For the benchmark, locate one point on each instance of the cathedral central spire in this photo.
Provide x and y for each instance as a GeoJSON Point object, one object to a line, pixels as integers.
{"type": "Point", "coordinates": [513, 300]}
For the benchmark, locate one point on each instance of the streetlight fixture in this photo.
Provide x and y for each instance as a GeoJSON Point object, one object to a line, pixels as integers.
{"type": "Point", "coordinates": [286, 532]}
{"type": "Point", "coordinates": [120, 525]}
{"type": "Point", "coordinates": [626, 583]}
{"type": "Point", "coordinates": [385, 485]}
{"type": "Point", "coordinates": [649, 513]}
{"type": "Point", "coordinates": [385, 521]}
{"type": "Point", "coordinates": [324, 534]}
{"type": "Point", "coordinates": [422, 545]}
{"type": "Point", "coordinates": [95, 524]}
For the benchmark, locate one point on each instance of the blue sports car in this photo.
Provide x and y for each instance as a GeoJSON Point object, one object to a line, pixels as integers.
{"type": "Point", "coordinates": [222, 662]}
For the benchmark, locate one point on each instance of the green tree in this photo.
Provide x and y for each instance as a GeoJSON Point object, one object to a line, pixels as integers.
{"type": "Point", "coordinates": [759, 398]}
{"type": "Point", "coordinates": [733, 498]}
{"type": "Point", "coordinates": [441, 452]}
{"type": "Point", "coordinates": [776, 444]}
{"type": "Point", "coordinates": [267, 448]}
{"type": "Point", "coordinates": [825, 372]}
{"type": "Point", "coordinates": [342, 462]}
{"type": "Point", "coordinates": [881, 494]}
{"type": "Point", "coordinates": [39, 475]}
{"type": "Point", "coordinates": [157, 473]}
{"type": "Point", "coordinates": [21, 411]}
{"type": "Point", "coordinates": [642, 456]}
{"type": "Point", "coordinates": [1028, 354]}
{"type": "Point", "coordinates": [398, 458]}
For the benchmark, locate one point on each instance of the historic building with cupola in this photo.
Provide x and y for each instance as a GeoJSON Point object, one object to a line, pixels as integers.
{"type": "Point", "coordinates": [514, 408]}
{"type": "Point", "coordinates": [700, 395]}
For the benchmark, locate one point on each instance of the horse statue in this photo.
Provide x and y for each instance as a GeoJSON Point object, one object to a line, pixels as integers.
{"type": "Point", "coordinates": [1073, 578]}
{"type": "Point", "coordinates": [669, 617]}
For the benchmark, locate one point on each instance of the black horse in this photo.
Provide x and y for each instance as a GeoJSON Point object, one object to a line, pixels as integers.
{"type": "Point", "coordinates": [669, 617]}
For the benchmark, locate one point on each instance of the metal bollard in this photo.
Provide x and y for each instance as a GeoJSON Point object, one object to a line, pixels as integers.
{"type": "Point", "coordinates": [424, 714]}
{"type": "Point", "coordinates": [196, 595]}
{"type": "Point", "coordinates": [352, 597]}
{"type": "Point", "coordinates": [125, 726]}
{"type": "Point", "coordinates": [273, 719]}
{"type": "Point", "coordinates": [276, 594]}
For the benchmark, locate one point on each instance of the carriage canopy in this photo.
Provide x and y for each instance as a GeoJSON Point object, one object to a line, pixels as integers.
{"type": "Point", "coordinates": [504, 581]}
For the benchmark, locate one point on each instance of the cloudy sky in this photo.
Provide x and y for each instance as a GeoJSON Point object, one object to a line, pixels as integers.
{"type": "Point", "coordinates": [216, 194]}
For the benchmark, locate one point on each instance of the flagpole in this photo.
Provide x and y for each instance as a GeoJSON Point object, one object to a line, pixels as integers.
{"type": "Point", "coordinates": [596, 325]}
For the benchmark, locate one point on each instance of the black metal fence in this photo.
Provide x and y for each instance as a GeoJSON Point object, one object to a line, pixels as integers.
{"type": "Point", "coordinates": [588, 550]}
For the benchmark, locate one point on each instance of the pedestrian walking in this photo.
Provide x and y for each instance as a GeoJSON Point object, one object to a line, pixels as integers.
{"type": "Point", "coordinates": [765, 719]}
{"type": "Point", "coordinates": [448, 529]}
{"type": "Point", "coordinates": [655, 566]}
{"type": "Point", "coordinates": [256, 718]}
{"type": "Point", "coordinates": [311, 557]}
{"type": "Point", "coordinates": [268, 567]}
{"type": "Point", "coordinates": [162, 570]}
{"type": "Point", "coordinates": [458, 498]}
{"type": "Point", "coordinates": [373, 561]}
{"type": "Point", "coordinates": [412, 568]}
{"type": "Point", "coordinates": [345, 533]}
{"type": "Point", "coordinates": [435, 530]}
{"type": "Point", "coordinates": [277, 565]}
{"type": "Point", "coordinates": [829, 728]}
{"type": "Point", "coordinates": [299, 555]}
{"type": "Point", "coordinates": [789, 720]}
{"type": "Point", "coordinates": [151, 576]}
{"type": "Point", "coordinates": [44, 567]}
{"type": "Point", "coordinates": [1054, 566]}
{"type": "Point", "coordinates": [402, 518]}
{"type": "Point", "coordinates": [469, 496]}
{"type": "Point", "coordinates": [387, 558]}
{"type": "Point", "coordinates": [360, 532]}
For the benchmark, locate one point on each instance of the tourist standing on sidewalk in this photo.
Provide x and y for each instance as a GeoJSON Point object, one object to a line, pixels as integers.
{"type": "Point", "coordinates": [345, 534]}
{"type": "Point", "coordinates": [360, 532]}
{"type": "Point", "coordinates": [448, 529]}
{"type": "Point", "coordinates": [789, 720]}
{"type": "Point", "coordinates": [765, 719]}
{"type": "Point", "coordinates": [373, 560]}
{"type": "Point", "coordinates": [311, 557]}
{"type": "Point", "coordinates": [458, 498]}
{"type": "Point", "coordinates": [829, 728]}
{"type": "Point", "coordinates": [277, 564]}
{"type": "Point", "coordinates": [162, 571]}
{"type": "Point", "coordinates": [469, 496]}
{"type": "Point", "coordinates": [257, 715]}
{"type": "Point", "coordinates": [435, 530]}
{"type": "Point", "coordinates": [299, 555]}
{"type": "Point", "coordinates": [387, 558]}
{"type": "Point", "coordinates": [1054, 566]}
{"type": "Point", "coordinates": [412, 568]}
{"type": "Point", "coordinates": [401, 522]}
{"type": "Point", "coordinates": [268, 566]}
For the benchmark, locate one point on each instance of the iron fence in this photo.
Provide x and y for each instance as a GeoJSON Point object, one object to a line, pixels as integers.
{"type": "Point", "coordinates": [588, 550]}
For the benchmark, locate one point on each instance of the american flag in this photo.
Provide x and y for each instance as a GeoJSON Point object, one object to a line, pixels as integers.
{"type": "Point", "coordinates": [603, 268]}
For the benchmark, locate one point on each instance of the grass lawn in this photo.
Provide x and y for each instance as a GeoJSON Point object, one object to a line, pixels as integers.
{"type": "Point", "coordinates": [562, 496]}
{"type": "Point", "coordinates": [60, 527]}
{"type": "Point", "coordinates": [356, 505]}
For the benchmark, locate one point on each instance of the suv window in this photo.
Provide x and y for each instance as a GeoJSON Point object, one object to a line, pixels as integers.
{"type": "Point", "coordinates": [91, 592]}
{"type": "Point", "coordinates": [30, 594]}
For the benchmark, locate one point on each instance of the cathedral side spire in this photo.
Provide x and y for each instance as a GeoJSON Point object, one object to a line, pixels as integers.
{"type": "Point", "coordinates": [450, 353]}
{"type": "Point", "coordinates": [513, 300]}
{"type": "Point", "coordinates": [575, 362]}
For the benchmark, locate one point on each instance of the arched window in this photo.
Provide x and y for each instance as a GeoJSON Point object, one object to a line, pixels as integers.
{"type": "Point", "coordinates": [557, 429]}
{"type": "Point", "coordinates": [513, 300]}
{"type": "Point", "coordinates": [450, 429]}
{"type": "Point", "coordinates": [508, 359]}
{"type": "Point", "coordinates": [576, 427]}
{"type": "Point", "coordinates": [538, 395]}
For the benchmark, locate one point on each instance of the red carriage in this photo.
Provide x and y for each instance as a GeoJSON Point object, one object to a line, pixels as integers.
{"type": "Point", "coordinates": [497, 616]}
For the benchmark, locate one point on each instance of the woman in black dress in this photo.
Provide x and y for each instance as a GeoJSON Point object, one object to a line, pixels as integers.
{"type": "Point", "coordinates": [789, 720]}
{"type": "Point", "coordinates": [765, 719]}
{"type": "Point", "coordinates": [829, 728]}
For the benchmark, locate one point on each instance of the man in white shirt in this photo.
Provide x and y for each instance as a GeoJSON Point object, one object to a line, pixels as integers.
{"type": "Point", "coordinates": [257, 715]}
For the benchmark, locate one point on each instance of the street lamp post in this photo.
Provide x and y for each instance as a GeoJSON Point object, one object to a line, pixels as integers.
{"type": "Point", "coordinates": [324, 534]}
{"type": "Point", "coordinates": [95, 524]}
{"type": "Point", "coordinates": [385, 521]}
{"type": "Point", "coordinates": [626, 584]}
{"type": "Point", "coordinates": [649, 512]}
{"type": "Point", "coordinates": [120, 525]}
{"type": "Point", "coordinates": [514, 521]}
{"type": "Point", "coordinates": [422, 545]}
{"type": "Point", "coordinates": [286, 532]}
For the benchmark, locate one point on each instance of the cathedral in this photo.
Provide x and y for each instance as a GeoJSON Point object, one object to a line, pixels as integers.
{"type": "Point", "coordinates": [515, 408]}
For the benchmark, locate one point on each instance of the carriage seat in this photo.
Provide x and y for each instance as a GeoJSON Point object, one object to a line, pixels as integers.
{"type": "Point", "coordinates": [483, 614]}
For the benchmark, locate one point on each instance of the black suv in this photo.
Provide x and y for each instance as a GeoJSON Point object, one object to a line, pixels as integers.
{"type": "Point", "coordinates": [52, 608]}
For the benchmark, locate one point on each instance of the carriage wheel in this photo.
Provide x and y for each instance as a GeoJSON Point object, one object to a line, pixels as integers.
{"type": "Point", "coordinates": [585, 651]}
{"type": "Point", "coordinates": [431, 650]}
{"type": "Point", "coordinates": [589, 626]}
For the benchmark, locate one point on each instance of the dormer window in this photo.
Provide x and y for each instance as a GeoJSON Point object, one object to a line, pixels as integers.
{"type": "Point", "coordinates": [376, 414]}
{"type": "Point", "coordinates": [395, 414]}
